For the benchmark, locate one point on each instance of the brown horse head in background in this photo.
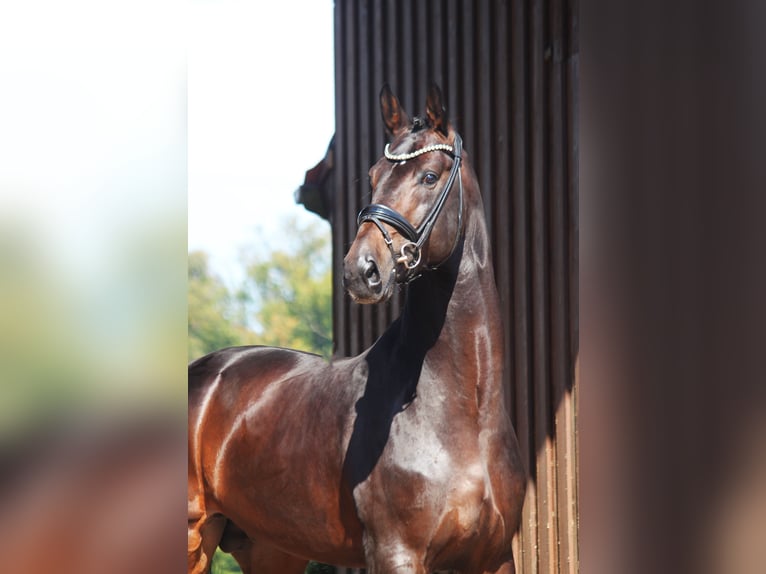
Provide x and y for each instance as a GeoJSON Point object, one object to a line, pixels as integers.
{"type": "Point", "coordinates": [402, 459]}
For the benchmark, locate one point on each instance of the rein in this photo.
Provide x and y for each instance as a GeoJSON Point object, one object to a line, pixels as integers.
{"type": "Point", "coordinates": [410, 254]}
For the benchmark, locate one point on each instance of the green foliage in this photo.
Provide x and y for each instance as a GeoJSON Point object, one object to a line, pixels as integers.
{"type": "Point", "coordinates": [290, 289]}
{"type": "Point", "coordinates": [224, 563]}
{"type": "Point", "coordinates": [212, 311]}
{"type": "Point", "coordinates": [285, 300]}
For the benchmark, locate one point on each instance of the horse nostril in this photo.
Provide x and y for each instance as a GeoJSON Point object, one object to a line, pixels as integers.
{"type": "Point", "coordinates": [371, 274]}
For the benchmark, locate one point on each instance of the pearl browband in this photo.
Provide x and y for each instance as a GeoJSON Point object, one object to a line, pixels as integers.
{"type": "Point", "coordinates": [416, 153]}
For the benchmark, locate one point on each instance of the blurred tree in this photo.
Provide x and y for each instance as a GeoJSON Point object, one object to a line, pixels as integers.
{"type": "Point", "coordinates": [285, 300]}
{"type": "Point", "coordinates": [290, 290]}
{"type": "Point", "coordinates": [215, 320]}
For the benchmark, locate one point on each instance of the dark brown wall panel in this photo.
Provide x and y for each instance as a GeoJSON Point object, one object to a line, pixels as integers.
{"type": "Point", "coordinates": [509, 73]}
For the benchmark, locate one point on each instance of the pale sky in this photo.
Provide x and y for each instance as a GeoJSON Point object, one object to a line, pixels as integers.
{"type": "Point", "coordinates": [260, 113]}
{"type": "Point", "coordinates": [102, 99]}
{"type": "Point", "coordinates": [92, 123]}
{"type": "Point", "coordinates": [123, 121]}
{"type": "Point", "coordinates": [117, 114]}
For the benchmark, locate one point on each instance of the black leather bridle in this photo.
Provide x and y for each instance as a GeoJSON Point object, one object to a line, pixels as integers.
{"type": "Point", "coordinates": [410, 253]}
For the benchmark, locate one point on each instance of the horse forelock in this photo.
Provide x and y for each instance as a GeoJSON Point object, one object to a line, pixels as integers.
{"type": "Point", "coordinates": [418, 123]}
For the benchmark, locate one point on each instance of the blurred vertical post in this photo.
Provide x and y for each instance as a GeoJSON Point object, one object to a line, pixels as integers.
{"type": "Point", "coordinates": [673, 281]}
{"type": "Point", "coordinates": [93, 284]}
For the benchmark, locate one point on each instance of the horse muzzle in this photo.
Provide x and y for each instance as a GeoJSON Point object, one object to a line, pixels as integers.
{"type": "Point", "coordinates": [366, 278]}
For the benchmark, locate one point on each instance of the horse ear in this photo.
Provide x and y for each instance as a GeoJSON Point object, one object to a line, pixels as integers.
{"type": "Point", "coordinates": [394, 116]}
{"type": "Point", "coordinates": [437, 114]}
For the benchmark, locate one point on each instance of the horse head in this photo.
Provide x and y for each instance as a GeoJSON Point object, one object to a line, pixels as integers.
{"type": "Point", "coordinates": [415, 221]}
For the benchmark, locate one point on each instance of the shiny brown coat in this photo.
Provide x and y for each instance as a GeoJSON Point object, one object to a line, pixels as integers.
{"type": "Point", "coordinates": [402, 459]}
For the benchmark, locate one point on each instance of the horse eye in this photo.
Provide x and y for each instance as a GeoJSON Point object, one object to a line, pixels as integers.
{"type": "Point", "coordinates": [430, 178]}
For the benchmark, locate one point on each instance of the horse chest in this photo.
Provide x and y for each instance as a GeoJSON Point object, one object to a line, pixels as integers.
{"type": "Point", "coordinates": [425, 473]}
{"type": "Point", "coordinates": [436, 479]}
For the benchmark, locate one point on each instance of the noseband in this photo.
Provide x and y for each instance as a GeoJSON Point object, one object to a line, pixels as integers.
{"type": "Point", "coordinates": [410, 252]}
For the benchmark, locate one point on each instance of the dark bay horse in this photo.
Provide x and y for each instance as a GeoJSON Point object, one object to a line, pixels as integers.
{"type": "Point", "coordinates": [402, 459]}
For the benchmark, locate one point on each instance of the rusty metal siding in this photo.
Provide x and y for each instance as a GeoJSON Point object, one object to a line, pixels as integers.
{"type": "Point", "coordinates": [509, 74]}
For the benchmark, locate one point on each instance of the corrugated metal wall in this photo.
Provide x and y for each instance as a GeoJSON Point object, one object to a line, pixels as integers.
{"type": "Point", "coordinates": [509, 74]}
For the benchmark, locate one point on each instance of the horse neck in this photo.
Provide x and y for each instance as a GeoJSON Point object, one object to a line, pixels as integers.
{"type": "Point", "coordinates": [455, 309]}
